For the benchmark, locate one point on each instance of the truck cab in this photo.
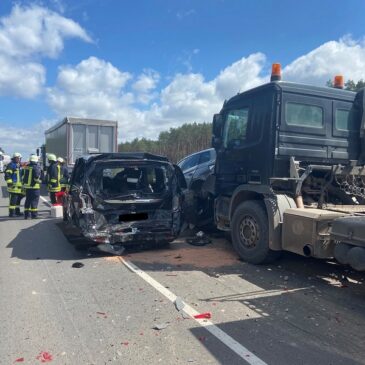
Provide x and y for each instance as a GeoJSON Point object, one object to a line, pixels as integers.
{"type": "Point", "coordinates": [287, 152]}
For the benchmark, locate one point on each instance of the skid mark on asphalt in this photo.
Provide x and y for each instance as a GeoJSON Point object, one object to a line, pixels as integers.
{"type": "Point", "coordinates": [231, 343]}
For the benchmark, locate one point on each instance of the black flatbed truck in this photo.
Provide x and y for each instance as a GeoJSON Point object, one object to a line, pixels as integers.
{"type": "Point", "coordinates": [290, 174]}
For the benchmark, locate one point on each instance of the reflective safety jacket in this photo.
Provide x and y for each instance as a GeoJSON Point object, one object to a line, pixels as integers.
{"type": "Point", "coordinates": [54, 177]}
{"type": "Point", "coordinates": [13, 177]}
{"type": "Point", "coordinates": [64, 176]}
{"type": "Point", "coordinates": [31, 176]}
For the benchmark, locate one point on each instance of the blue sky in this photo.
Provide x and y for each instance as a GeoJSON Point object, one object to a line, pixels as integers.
{"type": "Point", "coordinates": [154, 64]}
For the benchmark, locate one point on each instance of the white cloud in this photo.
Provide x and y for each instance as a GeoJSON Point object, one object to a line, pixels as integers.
{"type": "Point", "coordinates": [241, 75]}
{"type": "Point", "coordinates": [27, 34]}
{"type": "Point", "coordinates": [23, 140]}
{"type": "Point", "coordinates": [24, 79]}
{"type": "Point", "coordinates": [35, 30]}
{"type": "Point", "coordinates": [186, 13]}
{"type": "Point", "coordinates": [345, 57]}
{"type": "Point", "coordinates": [92, 75]}
{"type": "Point", "coordinates": [146, 82]}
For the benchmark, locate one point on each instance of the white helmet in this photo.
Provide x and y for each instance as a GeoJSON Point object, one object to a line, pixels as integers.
{"type": "Point", "coordinates": [33, 158]}
{"type": "Point", "coordinates": [17, 154]}
{"type": "Point", "coordinates": [51, 157]}
{"type": "Point", "coordinates": [60, 160]}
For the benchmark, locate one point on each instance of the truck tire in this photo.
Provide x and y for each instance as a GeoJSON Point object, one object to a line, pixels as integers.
{"type": "Point", "coordinates": [250, 233]}
{"type": "Point", "coordinates": [341, 252]}
{"type": "Point", "coordinates": [356, 258]}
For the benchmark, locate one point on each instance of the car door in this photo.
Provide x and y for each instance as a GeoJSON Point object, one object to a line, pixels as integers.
{"type": "Point", "coordinates": [206, 165]}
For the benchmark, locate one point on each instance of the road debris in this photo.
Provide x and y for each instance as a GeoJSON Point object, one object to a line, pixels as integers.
{"type": "Point", "coordinates": [20, 359]}
{"type": "Point", "coordinates": [179, 304]}
{"type": "Point", "coordinates": [161, 326]}
{"type": "Point", "coordinates": [205, 315]}
{"type": "Point", "coordinates": [44, 356]}
{"type": "Point", "coordinates": [77, 265]}
{"type": "Point", "coordinates": [200, 239]}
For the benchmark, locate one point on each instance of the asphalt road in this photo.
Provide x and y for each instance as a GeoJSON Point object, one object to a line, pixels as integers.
{"type": "Point", "coordinates": [296, 311]}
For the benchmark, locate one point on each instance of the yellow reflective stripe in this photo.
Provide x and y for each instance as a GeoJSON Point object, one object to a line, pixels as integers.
{"type": "Point", "coordinates": [9, 181]}
{"type": "Point", "coordinates": [53, 180]}
{"type": "Point", "coordinates": [18, 182]}
{"type": "Point", "coordinates": [26, 209]}
{"type": "Point", "coordinates": [12, 206]}
{"type": "Point", "coordinates": [33, 209]}
{"type": "Point", "coordinates": [30, 173]}
{"type": "Point", "coordinates": [14, 190]}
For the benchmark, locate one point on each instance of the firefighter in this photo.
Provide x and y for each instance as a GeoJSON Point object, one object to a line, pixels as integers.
{"type": "Point", "coordinates": [53, 177]}
{"type": "Point", "coordinates": [64, 174]}
{"type": "Point", "coordinates": [13, 173]}
{"type": "Point", "coordinates": [31, 184]}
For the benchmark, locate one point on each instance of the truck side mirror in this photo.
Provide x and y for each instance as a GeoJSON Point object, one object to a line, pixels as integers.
{"type": "Point", "coordinates": [217, 130]}
{"type": "Point", "coordinates": [217, 125]}
{"type": "Point", "coordinates": [216, 142]}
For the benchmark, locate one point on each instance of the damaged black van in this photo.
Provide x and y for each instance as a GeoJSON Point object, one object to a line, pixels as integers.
{"type": "Point", "coordinates": [116, 199]}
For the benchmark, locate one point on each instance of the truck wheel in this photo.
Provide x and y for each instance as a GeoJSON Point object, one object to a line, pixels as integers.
{"type": "Point", "coordinates": [250, 233]}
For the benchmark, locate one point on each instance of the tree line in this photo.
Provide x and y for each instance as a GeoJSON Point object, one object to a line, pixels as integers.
{"type": "Point", "coordinates": [175, 143]}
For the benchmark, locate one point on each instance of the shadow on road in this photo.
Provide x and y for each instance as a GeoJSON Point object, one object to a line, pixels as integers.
{"type": "Point", "coordinates": [42, 214]}
{"type": "Point", "coordinates": [257, 336]}
{"type": "Point", "coordinates": [45, 241]}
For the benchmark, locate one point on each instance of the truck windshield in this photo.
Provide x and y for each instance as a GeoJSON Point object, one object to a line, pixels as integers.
{"type": "Point", "coordinates": [235, 128]}
{"type": "Point", "coordinates": [116, 180]}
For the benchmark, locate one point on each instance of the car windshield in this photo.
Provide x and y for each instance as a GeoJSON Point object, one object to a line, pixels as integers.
{"type": "Point", "coordinates": [119, 180]}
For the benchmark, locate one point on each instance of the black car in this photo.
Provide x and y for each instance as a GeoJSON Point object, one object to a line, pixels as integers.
{"type": "Point", "coordinates": [198, 206]}
{"type": "Point", "coordinates": [117, 199]}
{"type": "Point", "coordinates": [198, 166]}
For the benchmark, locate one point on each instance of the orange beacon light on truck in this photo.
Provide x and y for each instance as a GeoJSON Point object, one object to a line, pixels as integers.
{"type": "Point", "coordinates": [275, 72]}
{"type": "Point", "coordinates": [338, 82]}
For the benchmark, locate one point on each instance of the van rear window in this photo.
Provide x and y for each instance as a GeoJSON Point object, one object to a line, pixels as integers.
{"type": "Point", "coordinates": [303, 115]}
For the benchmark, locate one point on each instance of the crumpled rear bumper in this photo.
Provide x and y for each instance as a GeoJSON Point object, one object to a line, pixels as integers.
{"type": "Point", "coordinates": [133, 233]}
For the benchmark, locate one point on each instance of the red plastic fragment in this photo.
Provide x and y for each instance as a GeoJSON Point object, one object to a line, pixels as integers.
{"type": "Point", "coordinates": [205, 315]}
{"type": "Point", "coordinates": [125, 343]}
{"type": "Point", "coordinates": [20, 359]}
{"type": "Point", "coordinates": [202, 338]}
{"type": "Point", "coordinates": [44, 357]}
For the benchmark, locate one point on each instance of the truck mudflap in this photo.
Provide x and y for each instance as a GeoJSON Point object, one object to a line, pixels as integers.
{"type": "Point", "coordinates": [349, 234]}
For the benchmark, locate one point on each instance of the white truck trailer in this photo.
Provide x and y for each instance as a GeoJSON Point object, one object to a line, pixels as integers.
{"type": "Point", "coordinates": [75, 137]}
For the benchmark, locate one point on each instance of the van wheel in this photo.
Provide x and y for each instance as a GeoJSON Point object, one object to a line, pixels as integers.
{"type": "Point", "coordinates": [250, 233]}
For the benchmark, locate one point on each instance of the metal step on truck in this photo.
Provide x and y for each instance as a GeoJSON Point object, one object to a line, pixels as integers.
{"type": "Point", "coordinates": [290, 171]}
